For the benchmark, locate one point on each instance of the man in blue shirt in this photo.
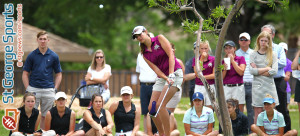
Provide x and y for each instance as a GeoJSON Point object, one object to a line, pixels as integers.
{"type": "Point", "coordinates": [40, 65]}
{"type": "Point", "coordinates": [279, 78]}
{"type": "Point", "coordinates": [245, 51]}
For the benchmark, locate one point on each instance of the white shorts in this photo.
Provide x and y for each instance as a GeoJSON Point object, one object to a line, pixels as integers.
{"type": "Point", "coordinates": [201, 89]}
{"type": "Point", "coordinates": [128, 133]}
{"type": "Point", "coordinates": [174, 100]}
{"type": "Point", "coordinates": [236, 92]}
{"type": "Point", "coordinates": [160, 82]}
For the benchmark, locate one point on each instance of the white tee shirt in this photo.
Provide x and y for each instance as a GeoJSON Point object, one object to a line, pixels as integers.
{"type": "Point", "coordinates": [100, 74]}
{"type": "Point", "coordinates": [147, 75]}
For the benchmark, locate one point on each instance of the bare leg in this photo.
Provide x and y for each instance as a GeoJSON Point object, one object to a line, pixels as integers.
{"type": "Point", "coordinates": [257, 130]}
{"type": "Point", "coordinates": [42, 124]}
{"type": "Point", "coordinates": [157, 122]}
{"type": "Point", "coordinates": [163, 113]}
{"type": "Point", "coordinates": [257, 110]}
{"type": "Point", "coordinates": [78, 133]}
{"type": "Point", "coordinates": [241, 107]}
{"type": "Point", "coordinates": [292, 132]}
{"type": "Point", "coordinates": [145, 123]}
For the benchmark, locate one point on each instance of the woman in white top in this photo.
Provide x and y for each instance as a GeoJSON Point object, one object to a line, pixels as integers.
{"type": "Point", "coordinates": [99, 73]}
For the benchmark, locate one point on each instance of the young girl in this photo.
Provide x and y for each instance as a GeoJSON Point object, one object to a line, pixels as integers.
{"type": "Point", "coordinates": [263, 67]}
{"type": "Point", "coordinates": [60, 118]}
{"type": "Point", "coordinates": [126, 115]}
{"type": "Point", "coordinates": [208, 70]}
{"type": "Point", "coordinates": [29, 118]}
{"type": "Point", "coordinates": [270, 121]}
{"type": "Point", "coordinates": [233, 78]}
{"type": "Point", "coordinates": [239, 121]}
{"type": "Point", "coordinates": [158, 54]}
{"type": "Point", "coordinates": [199, 119]}
{"type": "Point", "coordinates": [99, 73]}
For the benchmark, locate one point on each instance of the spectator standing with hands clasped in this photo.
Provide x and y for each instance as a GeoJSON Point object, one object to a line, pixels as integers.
{"type": "Point", "coordinates": [37, 75]}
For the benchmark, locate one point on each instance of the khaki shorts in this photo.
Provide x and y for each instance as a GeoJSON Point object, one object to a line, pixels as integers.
{"type": "Point", "coordinates": [201, 89]}
{"type": "Point", "coordinates": [160, 82]}
{"type": "Point", "coordinates": [45, 96]}
{"type": "Point", "coordinates": [236, 92]}
{"type": "Point", "coordinates": [174, 100]}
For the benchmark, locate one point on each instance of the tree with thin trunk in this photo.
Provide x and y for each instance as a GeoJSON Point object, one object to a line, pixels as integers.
{"type": "Point", "coordinates": [210, 25]}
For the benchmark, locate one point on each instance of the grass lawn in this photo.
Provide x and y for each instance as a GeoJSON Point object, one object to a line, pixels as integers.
{"type": "Point", "coordinates": [184, 105]}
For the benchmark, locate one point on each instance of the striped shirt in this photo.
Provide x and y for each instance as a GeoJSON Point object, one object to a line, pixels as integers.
{"type": "Point", "coordinates": [271, 127]}
{"type": "Point", "coordinates": [199, 124]}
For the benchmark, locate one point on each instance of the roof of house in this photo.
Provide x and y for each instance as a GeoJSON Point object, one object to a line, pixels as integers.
{"type": "Point", "coordinates": [67, 51]}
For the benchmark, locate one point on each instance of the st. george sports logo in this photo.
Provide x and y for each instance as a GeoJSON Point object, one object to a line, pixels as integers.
{"type": "Point", "coordinates": [10, 122]}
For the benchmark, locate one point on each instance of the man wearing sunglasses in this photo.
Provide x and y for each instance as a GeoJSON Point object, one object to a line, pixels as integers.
{"type": "Point", "coordinates": [245, 51]}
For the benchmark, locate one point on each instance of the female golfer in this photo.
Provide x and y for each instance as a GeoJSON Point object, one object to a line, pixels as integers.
{"type": "Point", "coordinates": [158, 54]}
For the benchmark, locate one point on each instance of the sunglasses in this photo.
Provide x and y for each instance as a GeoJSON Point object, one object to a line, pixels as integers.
{"type": "Point", "coordinates": [244, 39]}
{"type": "Point", "coordinates": [100, 57]}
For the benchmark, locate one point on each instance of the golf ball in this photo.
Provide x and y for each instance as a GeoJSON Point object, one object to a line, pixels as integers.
{"type": "Point", "coordinates": [100, 6]}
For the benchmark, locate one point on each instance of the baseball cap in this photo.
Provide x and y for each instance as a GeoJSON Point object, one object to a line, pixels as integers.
{"type": "Point", "coordinates": [197, 95]}
{"type": "Point", "coordinates": [126, 90]}
{"type": "Point", "coordinates": [284, 45]}
{"type": "Point", "coordinates": [230, 43]}
{"type": "Point", "coordinates": [60, 95]}
{"type": "Point", "coordinates": [137, 30]}
{"type": "Point", "coordinates": [246, 35]}
{"type": "Point", "coordinates": [269, 100]}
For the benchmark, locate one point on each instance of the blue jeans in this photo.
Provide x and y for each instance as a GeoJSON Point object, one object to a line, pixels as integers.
{"type": "Point", "coordinates": [145, 96]}
{"type": "Point", "coordinates": [248, 97]}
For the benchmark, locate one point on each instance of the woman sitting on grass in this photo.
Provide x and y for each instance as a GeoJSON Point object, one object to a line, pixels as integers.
{"type": "Point", "coordinates": [270, 121]}
{"type": "Point", "coordinates": [199, 119]}
{"type": "Point", "coordinates": [29, 118]}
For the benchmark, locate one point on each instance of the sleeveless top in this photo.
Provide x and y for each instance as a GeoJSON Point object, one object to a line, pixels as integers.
{"type": "Point", "coordinates": [26, 125]}
{"type": "Point", "coordinates": [102, 120]}
{"type": "Point", "coordinates": [124, 121]}
{"type": "Point", "coordinates": [59, 124]}
{"type": "Point", "coordinates": [159, 57]}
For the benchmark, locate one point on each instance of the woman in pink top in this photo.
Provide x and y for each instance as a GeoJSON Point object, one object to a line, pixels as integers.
{"type": "Point", "coordinates": [208, 62]}
{"type": "Point", "coordinates": [233, 77]}
{"type": "Point", "coordinates": [158, 53]}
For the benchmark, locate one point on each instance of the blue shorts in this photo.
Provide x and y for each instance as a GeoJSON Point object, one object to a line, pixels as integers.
{"type": "Point", "coordinates": [145, 96]}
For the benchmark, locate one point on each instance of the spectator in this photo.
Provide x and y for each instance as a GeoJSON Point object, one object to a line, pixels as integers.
{"type": "Point", "coordinates": [263, 65]}
{"type": "Point", "coordinates": [239, 120]}
{"type": "Point", "coordinates": [60, 118]}
{"type": "Point", "coordinates": [152, 130]}
{"type": "Point", "coordinates": [97, 121]}
{"type": "Point", "coordinates": [279, 78]}
{"type": "Point", "coordinates": [199, 119]}
{"type": "Point", "coordinates": [40, 81]}
{"type": "Point", "coordinates": [245, 51]}
{"type": "Point", "coordinates": [296, 74]}
{"type": "Point", "coordinates": [207, 63]}
{"type": "Point", "coordinates": [147, 79]}
{"type": "Point", "coordinates": [233, 77]}
{"type": "Point", "coordinates": [29, 118]}
{"type": "Point", "coordinates": [288, 71]}
{"type": "Point", "coordinates": [99, 73]}
{"type": "Point", "coordinates": [159, 56]}
{"type": "Point", "coordinates": [126, 115]}
{"type": "Point", "coordinates": [171, 105]}
{"type": "Point", "coordinates": [270, 121]}
{"type": "Point", "coordinates": [190, 75]}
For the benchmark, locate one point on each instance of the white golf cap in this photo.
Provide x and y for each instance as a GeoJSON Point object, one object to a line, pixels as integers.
{"type": "Point", "coordinates": [60, 95]}
{"type": "Point", "coordinates": [284, 45]}
{"type": "Point", "coordinates": [126, 90]}
{"type": "Point", "coordinates": [246, 35]}
{"type": "Point", "coordinates": [137, 30]}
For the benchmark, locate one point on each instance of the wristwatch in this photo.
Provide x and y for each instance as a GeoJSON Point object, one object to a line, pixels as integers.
{"type": "Point", "coordinates": [92, 78]}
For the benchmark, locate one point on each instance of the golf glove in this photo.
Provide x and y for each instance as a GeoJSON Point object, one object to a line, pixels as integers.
{"type": "Point", "coordinates": [172, 77]}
